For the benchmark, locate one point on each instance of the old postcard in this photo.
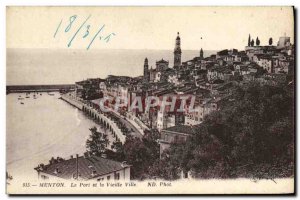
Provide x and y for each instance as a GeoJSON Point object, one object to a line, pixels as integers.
{"type": "Point", "coordinates": [150, 100]}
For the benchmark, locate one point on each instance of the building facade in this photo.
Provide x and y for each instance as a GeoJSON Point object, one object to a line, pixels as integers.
{"type": "Point", "coordinates": [174, 135]}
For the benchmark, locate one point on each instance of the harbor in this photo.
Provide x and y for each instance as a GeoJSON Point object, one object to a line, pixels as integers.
{"type": "Point", "coordinates": [51, 126]}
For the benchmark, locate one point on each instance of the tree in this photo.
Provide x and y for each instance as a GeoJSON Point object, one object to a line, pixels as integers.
{"type": "Point", "coordinates": [164, 168]}
{"type": "Point", "coordinates": [137, 155]}
{"type": "Point", "coordinates": [117, 146]}
{"type": "Point", "coordinates": [252, 43]}
{"type": "Point", "coordinates": [118, 151]}
{"type": "Point", "coordinates": [150, 140]}
{"type": "Point", "coordinates": [257, 41]}
{"type": "Point", "coordinates": [251, 138]}
{"type": "Point", "coordinates": [270, 41]}
{"type": "Point", "coordinates": [97, 142]}
{"type": "Point", "coordinates": [249, 40]}
{"type": "Point", "coordinates": [141, 153]}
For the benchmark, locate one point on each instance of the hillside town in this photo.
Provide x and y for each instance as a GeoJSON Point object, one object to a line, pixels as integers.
{"type": "Point", "coordinates": [210, 80]}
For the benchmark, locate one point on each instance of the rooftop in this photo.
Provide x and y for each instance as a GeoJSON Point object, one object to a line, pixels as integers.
{"type": "Point", "coordinates": [88, 167]}
{"type": "Point", "coordinates": [181, 129]}
{"type": "Point", "coordinates": [162, 61]}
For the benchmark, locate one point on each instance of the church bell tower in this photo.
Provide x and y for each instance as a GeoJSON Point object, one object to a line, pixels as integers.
{"type": "Point", "coordinates": [177, 53]}
{"type": "Point", "coordinates": [146, 71]}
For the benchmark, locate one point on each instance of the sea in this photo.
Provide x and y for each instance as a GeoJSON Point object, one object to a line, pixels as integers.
{"type": "Point", "coordinates": [40, 128]}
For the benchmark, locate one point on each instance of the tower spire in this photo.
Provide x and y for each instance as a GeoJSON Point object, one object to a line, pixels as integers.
{"type": "Point", "coordinates": [146, 77]}
{"type": "Point", "coordinates": [177, 52]}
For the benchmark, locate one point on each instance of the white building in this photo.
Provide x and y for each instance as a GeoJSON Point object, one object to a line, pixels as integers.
{"type": "Point", "coordinates": [164, 120]}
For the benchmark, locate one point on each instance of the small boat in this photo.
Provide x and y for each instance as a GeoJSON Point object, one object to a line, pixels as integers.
{"type": "Point", "coordinates": [22, 103]}
{"type": "Point", "coordinates": [27, 96]}
{"type": "Point", "coordinates": [20, 98]}
{"type": "Point", "coordinates": [51, 94]}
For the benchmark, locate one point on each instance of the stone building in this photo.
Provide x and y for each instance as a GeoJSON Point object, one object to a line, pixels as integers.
{"type": "Point", "coordinates": [174, 135]}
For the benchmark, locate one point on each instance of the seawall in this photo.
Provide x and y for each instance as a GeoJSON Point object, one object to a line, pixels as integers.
{"type": "Point", "coordinates": [108, 123]}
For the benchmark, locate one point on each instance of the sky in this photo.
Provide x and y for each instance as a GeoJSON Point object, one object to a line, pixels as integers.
{"type": "Point", "coordinates": [210, 28]}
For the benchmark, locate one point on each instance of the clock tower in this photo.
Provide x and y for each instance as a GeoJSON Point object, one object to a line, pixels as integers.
{"type": "Point", "coordinates": [177, 53]}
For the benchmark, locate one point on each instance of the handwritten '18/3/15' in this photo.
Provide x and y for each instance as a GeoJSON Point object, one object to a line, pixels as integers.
{"type": "Point", "coordinates": [86, 31]}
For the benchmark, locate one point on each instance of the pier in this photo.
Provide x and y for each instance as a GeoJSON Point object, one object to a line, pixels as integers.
{"type": "Point", "coordinates": [39, 88]}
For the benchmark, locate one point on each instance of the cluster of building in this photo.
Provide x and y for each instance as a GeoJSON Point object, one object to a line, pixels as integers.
{"type": "Point", "coordinates": [210, 80]}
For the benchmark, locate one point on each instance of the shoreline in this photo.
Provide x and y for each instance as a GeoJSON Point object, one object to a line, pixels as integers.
{"type": "Point", "coordinates": [100, 118]}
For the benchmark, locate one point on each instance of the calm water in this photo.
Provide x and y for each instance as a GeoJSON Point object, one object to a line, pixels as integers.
{"type": "Point", "coordinates": [42, 128]}
{"type": "Point", "coordinates": [46, 66]}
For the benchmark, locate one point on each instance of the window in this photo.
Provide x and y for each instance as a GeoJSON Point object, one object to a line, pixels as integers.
{"type": "Point", "coordinates": [186, 174]}
{"type": "Point", "coordinates": [100, 179]}
{"type": "Point", "coordinates": [117, 176]}
{"type": "Point", "coordinates": [166, 137]}
{"type": "Point", "coordinates": [108, 178]}
{"type": "Point", "coordinates": [44, 177]}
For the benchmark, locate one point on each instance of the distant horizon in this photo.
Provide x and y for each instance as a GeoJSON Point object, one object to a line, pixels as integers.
{"type": "Point", "coordinates": [67, 66]}
{"type": "Point", "coordinates": [41, 84]}
{"type": "Point", "coordinates": [166, 55]}
{"type": "Point", "coordinates": [151, 49]}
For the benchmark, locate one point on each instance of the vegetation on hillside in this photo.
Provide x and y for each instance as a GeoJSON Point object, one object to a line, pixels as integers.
{"type": "Point", "coordinates": [251, 137]}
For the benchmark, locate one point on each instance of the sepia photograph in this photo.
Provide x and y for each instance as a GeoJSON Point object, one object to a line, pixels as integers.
{"type": "Point", "coordinates": [150, 100]}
